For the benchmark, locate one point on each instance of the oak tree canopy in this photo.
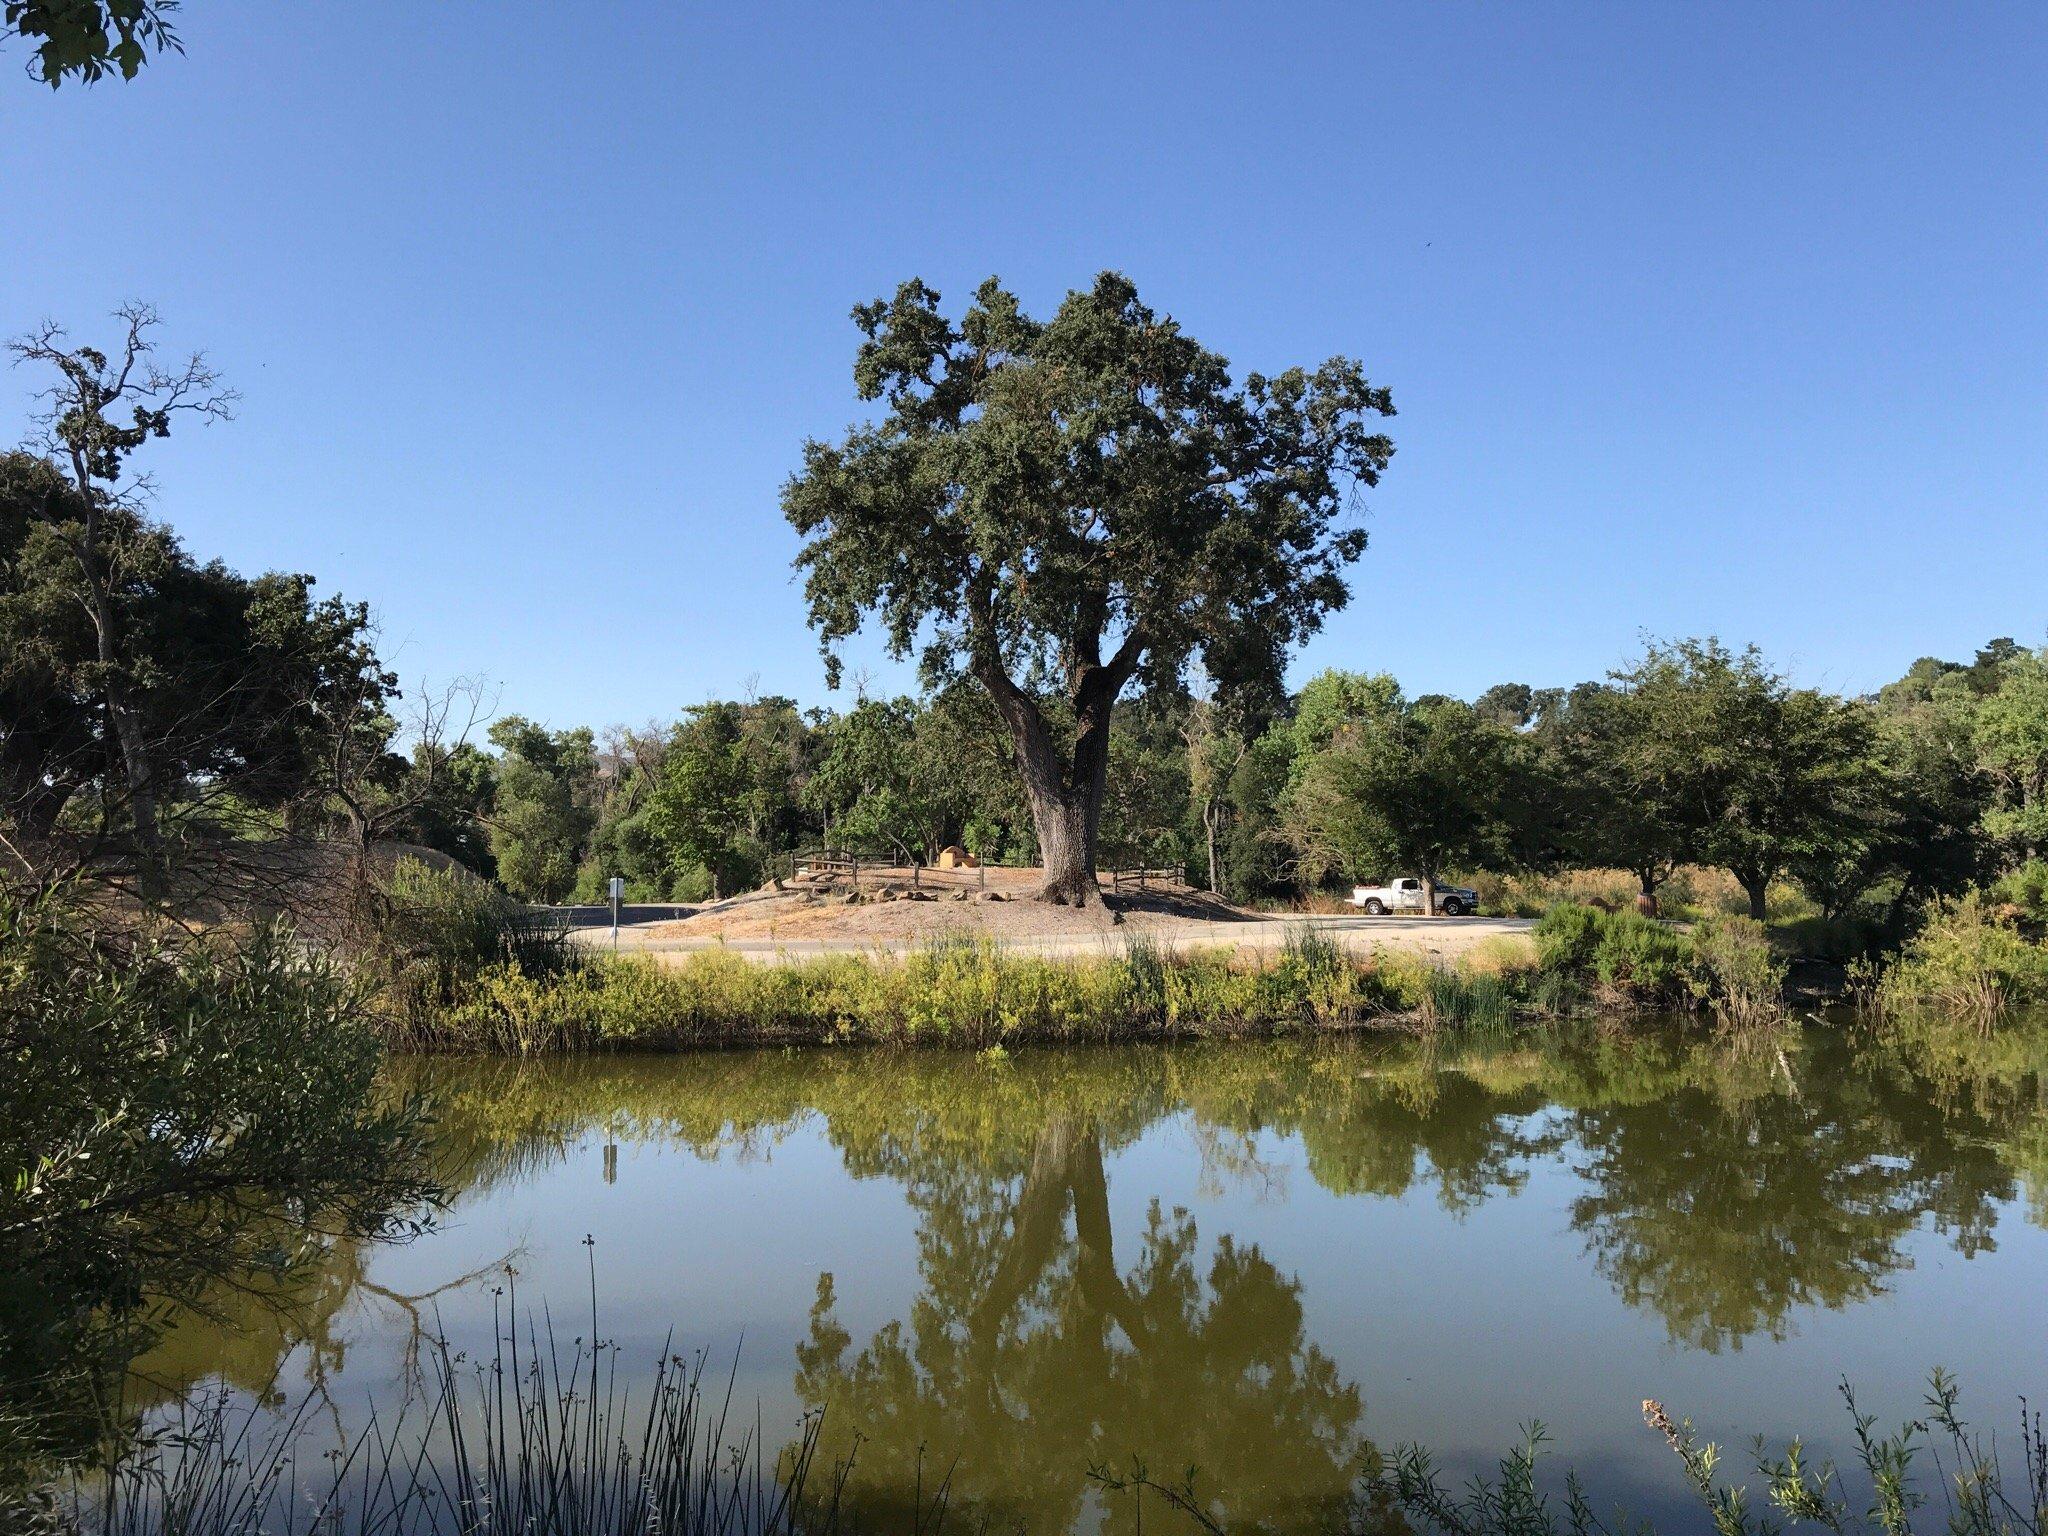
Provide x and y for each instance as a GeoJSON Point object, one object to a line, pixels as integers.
{"type": "Point", "coordinates": [1057, 506]}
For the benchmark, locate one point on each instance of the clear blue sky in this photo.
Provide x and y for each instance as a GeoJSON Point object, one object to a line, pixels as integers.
{"type": "Point", "coordinates": [1699, 318]}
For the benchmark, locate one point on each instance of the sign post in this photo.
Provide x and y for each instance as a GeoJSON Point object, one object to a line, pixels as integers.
{"type": "Point", "coordinates": [618, 891]}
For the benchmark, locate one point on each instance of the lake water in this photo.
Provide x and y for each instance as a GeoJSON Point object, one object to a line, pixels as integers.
{"type": "Point", "coordinates": [1259, 1260]}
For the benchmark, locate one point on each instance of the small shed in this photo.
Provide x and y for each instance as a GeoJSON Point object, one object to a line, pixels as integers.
{"type": "Point", "coordinates": [953, 856]}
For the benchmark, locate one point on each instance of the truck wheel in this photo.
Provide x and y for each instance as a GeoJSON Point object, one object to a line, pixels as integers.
{"type": "Point", "coordinates": [1451, 907]}
{"type": "Point", "coordinates": [1376, 908]}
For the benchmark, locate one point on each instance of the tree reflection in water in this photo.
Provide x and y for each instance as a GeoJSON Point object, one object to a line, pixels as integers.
{"type": "Point", "coordinates": [1030, 1356]}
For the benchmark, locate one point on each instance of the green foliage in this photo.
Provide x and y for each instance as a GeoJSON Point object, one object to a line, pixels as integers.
{"type": "Point", "coordinates": [2010, 733]}
{"type": "Point", "coordinates": [1967, 960]}
{"type": "Point", "coordinates": [1738, 971]}
{"type": "Point", "coordinates": [1567, 936]}
{"type": "Point", "coordinates": [1455, 1000]}
{"type": "Point", "coordinates": [1748, 772]}
{"type": "Point", "coordinates": [2026, 888]}
{"type": "Point", "coordinates": [240, 686]}
{"type": "Point", "coordinates": [1255, 856]}
{"type": "Point", "coordinates": [169, 1119]}
{"type": "Point", "coordinates": [84, 39]}
{"type": "Point", "coordinates": [1631, 960]}
{"type": "Point", "coordinates": [1839, 940]}
{"type": "Point", "coordinates": [1416, 787]}
{"type": "Point", "coordinates": [541, 810]}
{"type": "Point", "coordinates": [886, 776]}
{"type": "Point", "coordinates": [728, 791]}
{"type": "Point", "coordinates": [956, 993]}
{"type": "Point", "coordinates": [1335, 702]}
{"type": "Point", "coordinates": [1641, 959]}
{"type": "Point", "coordinates": [452, 793]}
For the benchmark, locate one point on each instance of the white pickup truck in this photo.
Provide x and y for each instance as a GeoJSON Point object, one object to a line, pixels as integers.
{"type": "Point", "coordinates": [1405, 895]}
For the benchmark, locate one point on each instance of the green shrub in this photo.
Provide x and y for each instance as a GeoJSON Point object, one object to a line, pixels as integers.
{"type": "Point", "coordinates": [1566, 937]}
{"type": "Point", "coordinates": [171, 1119]}
{"type": "Point", "coordinates": [434, 934]}
{"type": "Point", "coordinates": [1634, 960]}
{"type": "Point", "coordinates": [2027, 889]}
{"type": "Point", "coordinates": [1966, 960]}
{"type": "Point", "coordinates": [1642, 959]}
{"type": "Point", "coordinates": [1737, 971]}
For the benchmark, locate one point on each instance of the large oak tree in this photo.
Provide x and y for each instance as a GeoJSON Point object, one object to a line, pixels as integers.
{"type": "Point", "coordinates": [1057, 506]}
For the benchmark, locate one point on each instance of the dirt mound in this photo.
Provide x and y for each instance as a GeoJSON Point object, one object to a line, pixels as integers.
{"type": "Point", "coordinates": [899, 904]}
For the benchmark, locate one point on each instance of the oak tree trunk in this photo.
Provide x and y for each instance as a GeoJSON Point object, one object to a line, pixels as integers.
{"type": "Point", "coordinates": [1757, 886]}
{"type": "Point", "coordinates": [1065, 796]}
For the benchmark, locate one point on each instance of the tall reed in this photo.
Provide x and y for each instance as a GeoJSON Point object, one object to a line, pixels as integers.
{"type": "Point", "coordinates": [538, 1439]}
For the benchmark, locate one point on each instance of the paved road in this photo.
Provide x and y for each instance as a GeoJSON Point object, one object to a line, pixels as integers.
{"type": "Point", "coordinates": [1427, 935]}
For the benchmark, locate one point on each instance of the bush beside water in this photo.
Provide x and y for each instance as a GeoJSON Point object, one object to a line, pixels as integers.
{"type": "Point", "coordinates": [1970, 958]}
{"type": "Point", "coordinates": [172, 1117]}
{"type": "Point", "coordinates": [1626, 961]}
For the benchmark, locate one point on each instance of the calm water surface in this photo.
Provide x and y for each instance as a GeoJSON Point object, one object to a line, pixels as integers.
{"type": "Point", "coordinates": [1259, 1260]}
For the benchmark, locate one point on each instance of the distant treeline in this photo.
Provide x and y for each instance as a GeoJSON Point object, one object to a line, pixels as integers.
{"type": "Point", "coordinates": [1692, 754]}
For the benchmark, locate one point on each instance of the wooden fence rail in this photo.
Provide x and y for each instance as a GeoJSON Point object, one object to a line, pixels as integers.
{"type": "Point", "coordinates": [1142, 878]}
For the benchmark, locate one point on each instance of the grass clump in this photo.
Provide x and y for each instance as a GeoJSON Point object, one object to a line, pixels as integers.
{"type": "Point", "coordinates": [540, 1437]}
{"type": "Point", "coordinates": [1469, 1001]}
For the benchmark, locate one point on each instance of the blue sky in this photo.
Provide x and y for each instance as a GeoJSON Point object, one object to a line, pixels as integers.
{"type": "Point", "coordinates": [1698, 318]}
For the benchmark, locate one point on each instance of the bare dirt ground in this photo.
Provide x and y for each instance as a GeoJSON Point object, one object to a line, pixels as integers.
{"type": "Point", "coordinates": [895, 915]}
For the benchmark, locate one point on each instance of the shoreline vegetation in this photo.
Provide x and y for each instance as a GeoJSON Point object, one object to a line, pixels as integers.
{"type": "Point", "coordinates": [457, 968]}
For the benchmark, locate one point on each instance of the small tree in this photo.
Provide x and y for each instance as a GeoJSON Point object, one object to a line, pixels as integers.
{"type": "Point", "coordinates": [2010, 730]}
{"type": "Point", "coordinates": [543, 808]}
{"type": "Point", "coordinates": [1623, 802]}
{"type": "Point", "coordinates": [723, 788]}
{"type": "Point", "coordinates": [1058, 505]}
{"type": "Point", "coordinates": [1746, 771]}
{"type": "Point", "coordinates": [1427, 787]}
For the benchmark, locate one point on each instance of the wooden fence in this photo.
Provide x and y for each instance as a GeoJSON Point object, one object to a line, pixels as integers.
{"type": "Point", "coordinates": [1142, 878]}
{"type": "Point", "coordinates": [850, 864]}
